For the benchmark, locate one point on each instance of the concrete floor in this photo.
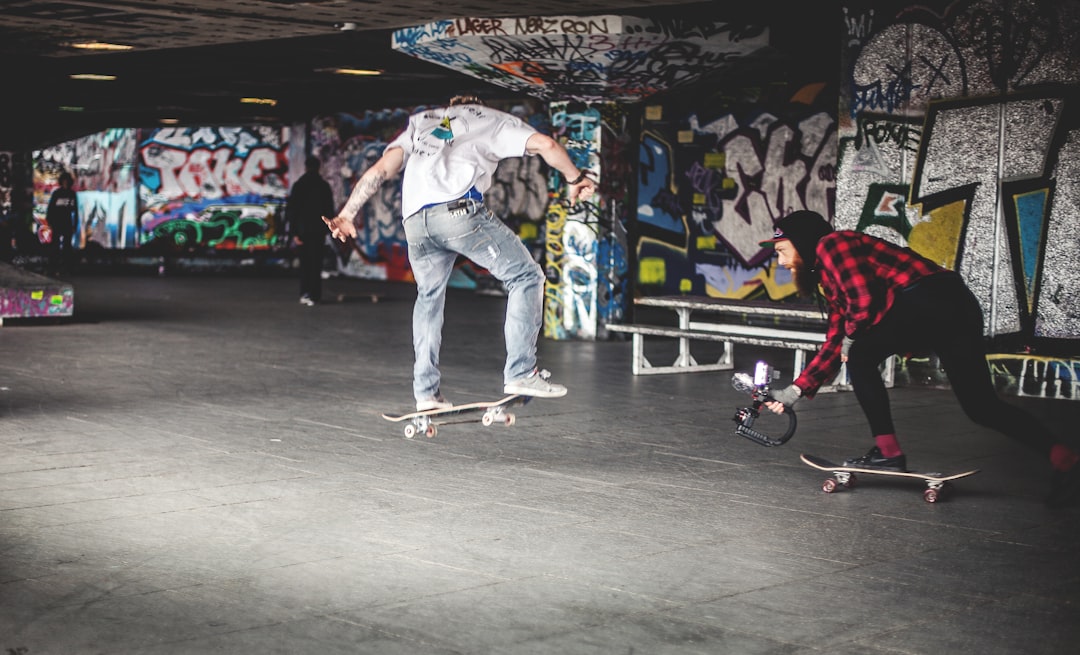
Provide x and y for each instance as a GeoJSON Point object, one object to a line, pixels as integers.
{"type": "Point", "coordinates": [198, 465]}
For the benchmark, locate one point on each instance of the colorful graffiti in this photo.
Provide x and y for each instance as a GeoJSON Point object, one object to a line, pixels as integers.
{"type": "Point", "coordinates": [50, 299]}
{"type": "Point", "coordinates": [348, 144]}
{"type": "Point", "coordinates": [103, 166]}
{"type": "Point", "coordinates": [1036, 376]}
{"type": "Point", "coordinates": [212, 187]}
{"type": "Point", "coordinates": [586, 243]}
{"type": "Point", "coordinates": [709, 192]}
{"type": "Point", "coordinates": [586, 58]}
{"type": "Point", "coordinates": [968, 152]}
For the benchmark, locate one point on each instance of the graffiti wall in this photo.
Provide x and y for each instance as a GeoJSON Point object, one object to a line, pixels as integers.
{"type": "Point", "coordinates": [212, 187]}
{"type": "Point", "coordinates": [170, 189]}
{"type": "Point", "coordinates": [960, 136]}
{"type": "Point", "coordinates": [186, 190]}
{"type": "Point", "coordinates": [348, 144]}
{"type": "Point", "coordinates": [103, 166]}
{"type": "Point", "coordinates": [712, 180]}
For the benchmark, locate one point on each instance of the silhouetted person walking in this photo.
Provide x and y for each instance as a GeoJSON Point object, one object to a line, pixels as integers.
{"type": "Point", "coordinates": [62, 217]}
{"type": "Point", "coordinates": [310, 200]}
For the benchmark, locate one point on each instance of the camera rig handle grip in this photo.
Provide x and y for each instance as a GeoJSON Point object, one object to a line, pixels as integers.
{"type": "Point", "coordinates": [758, 388]}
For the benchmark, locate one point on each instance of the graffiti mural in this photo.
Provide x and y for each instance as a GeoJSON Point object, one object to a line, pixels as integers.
{"type": "Point", "coordinates": [103, 167]}
{"type": "Point", "coordinates": [219, 188]}
{"type": "Point", "coordinates": [967, 151]}
{"type": "Point", "coordinates": [709, 190]}
{"type": "Point", "coordinates": [348, 144]}
{"type": "Point", "coordinates": [586, 58]}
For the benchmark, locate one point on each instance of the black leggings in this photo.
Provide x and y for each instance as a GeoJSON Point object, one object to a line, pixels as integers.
{"type": "Point", "coordinates": [939, 314]}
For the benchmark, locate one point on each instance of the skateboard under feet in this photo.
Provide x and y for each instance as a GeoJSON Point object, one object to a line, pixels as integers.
{"type": "Point", "coordinates": [844, 477]}
{"type": "Point", "coordinates": [491, 412]}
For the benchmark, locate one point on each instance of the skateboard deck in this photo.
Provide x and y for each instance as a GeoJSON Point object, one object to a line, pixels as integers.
{"type": "Point", "coordinates": [845, 476]}
{"type": "Point", "coordinates": [427, 422]}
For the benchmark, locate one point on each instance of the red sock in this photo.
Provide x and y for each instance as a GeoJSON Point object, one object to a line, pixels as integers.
{"type": "Point", "coordinates": [888, 445]}
{"type": "Point", "coordinates": [1062, 458]}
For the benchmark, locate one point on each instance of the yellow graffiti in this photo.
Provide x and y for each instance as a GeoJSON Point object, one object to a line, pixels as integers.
{"type": "Point", "coordinates": [528, 231]}
{"type": "Point", "coordinates": [706, 242]}
{"type": "Point", "coordinates": [555, 224]}
{"type": "Point", "coordinates": [764, 279]}
{"type": "Point", "coordinates": [938, 238]}
{"type": "Point", "coordinates": [652, 270]}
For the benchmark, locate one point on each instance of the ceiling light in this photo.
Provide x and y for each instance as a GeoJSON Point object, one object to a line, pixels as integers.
{"type": "Point", "coordinates": [169, 121]}
{"type": "Point", "coordinates": [355, 71]}
{"type": "Point", "coordinates": [259, 101]}
{"type": "Point", "coordinates": [69, 108]}
{"type": "Point", "coordinates": [98, 45]}
{"type": "Point", "coordinates": [91, 76]}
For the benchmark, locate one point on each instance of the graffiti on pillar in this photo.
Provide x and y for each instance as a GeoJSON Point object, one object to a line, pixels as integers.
{"type": "Point", "coordinates": [212, 187]}
{"type": "Point", "coordinates": [570, 309]}
{"type": "Point", "coordinates": [969, 153]}
{"type": "Point", "coordinates": [587, 58]}
{"type": "Point", "coordinates": [587, 244]}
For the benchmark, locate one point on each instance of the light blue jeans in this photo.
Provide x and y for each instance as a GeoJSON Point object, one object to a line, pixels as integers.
{"type": "Point", "coordinates": [437, 235]}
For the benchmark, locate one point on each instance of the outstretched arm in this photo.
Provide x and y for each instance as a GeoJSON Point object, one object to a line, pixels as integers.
{"type": "Point", "coordinates": [556, 156]}
{"type": "Point", "coordinates": [342, 225]}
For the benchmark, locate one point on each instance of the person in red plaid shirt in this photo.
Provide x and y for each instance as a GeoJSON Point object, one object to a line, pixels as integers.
{"type": "Point", "coordinates": [884, 300]}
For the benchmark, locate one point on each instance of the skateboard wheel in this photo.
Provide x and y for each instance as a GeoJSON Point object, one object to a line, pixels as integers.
{"type": "Point", "coordinates": [509, 420]}
{"type": "Point", "coordinates": [431, 431]}
{"type": "Point", "coordinates": [931, 495]}
{"type": "Point", "coordinates": [829, 485]}
{"type": "Point", "coordinates": [850, 483]}
{"type": "Point", "coordinates": [487, 419]}
{"type": "Point", "coordinates": [410, 431]}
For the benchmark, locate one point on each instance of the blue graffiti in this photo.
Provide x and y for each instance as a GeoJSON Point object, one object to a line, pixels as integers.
{"type": "Point", "coordinates": [655, 169]}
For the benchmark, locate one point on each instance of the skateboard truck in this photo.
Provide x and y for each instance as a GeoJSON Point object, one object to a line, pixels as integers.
{"type": "Point", "coordinates": [758, 388]}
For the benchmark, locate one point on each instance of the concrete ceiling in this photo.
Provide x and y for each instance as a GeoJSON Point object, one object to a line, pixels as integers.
{"type": "Point", "coordinates": [194, 60]}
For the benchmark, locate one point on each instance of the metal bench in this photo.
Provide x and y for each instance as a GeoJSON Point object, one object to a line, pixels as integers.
{"type": "Point", "coordinates": [728, 322]}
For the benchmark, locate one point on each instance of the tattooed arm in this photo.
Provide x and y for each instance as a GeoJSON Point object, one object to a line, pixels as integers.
{"type": "Point", "coordinates": [343, 226]}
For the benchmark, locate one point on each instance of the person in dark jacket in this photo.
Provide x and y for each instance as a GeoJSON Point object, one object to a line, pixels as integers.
{"type": "Point", "coordinates": [62, 216]}
{"type": "Point", "coordinates": [309, 201]}
{"type": "Point", "coordinates": [885, 300]}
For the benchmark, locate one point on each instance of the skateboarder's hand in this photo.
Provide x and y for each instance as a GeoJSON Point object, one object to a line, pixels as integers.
{"type": "Point", "coordinates": [583, 190]}
{"type": "Point", "coordinates": [786, 397]}
{"type": "Point", "coordinates": [340, 227]}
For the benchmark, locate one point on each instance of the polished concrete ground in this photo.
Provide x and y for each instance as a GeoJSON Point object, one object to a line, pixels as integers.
{"type": "Point", "coordinates": [198, 465]}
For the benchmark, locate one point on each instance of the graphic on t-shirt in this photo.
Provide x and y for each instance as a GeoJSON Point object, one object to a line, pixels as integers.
{"type": "Point", "coordinates": [444, 131]}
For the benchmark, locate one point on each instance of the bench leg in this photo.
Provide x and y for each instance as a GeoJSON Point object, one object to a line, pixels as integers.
{"type": "Point", "coordinates": [685, 362]}
{"type": "Point", "coordinates": [685, 358]}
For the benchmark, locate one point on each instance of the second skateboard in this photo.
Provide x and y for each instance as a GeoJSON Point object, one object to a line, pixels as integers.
{"type": "Point", "coordinates": [845, 477]}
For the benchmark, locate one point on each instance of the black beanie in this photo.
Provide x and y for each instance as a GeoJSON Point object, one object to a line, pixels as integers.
{"type": "Point", "coordinates": [803, 229]}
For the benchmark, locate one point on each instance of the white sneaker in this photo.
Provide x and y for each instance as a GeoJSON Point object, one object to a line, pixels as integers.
{"type": "Point", "coordinates": [438, 402]}
{"type": "Point", "coordinates": [306, 300]}
{"type": "Point", "coordinates": [535, 384]}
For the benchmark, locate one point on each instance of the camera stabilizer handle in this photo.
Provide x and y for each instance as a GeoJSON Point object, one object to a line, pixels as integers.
{"type": "Point", "coordinates": [758, 388]}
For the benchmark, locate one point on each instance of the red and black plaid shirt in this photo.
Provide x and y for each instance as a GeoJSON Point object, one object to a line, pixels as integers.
{"type": "Point", "coordinates": [860, 277]}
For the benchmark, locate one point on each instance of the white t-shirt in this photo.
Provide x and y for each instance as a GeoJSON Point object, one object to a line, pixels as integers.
{"type": "Point", "coordinates": [450, 150]}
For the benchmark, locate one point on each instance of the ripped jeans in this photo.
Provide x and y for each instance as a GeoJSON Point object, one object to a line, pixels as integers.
{"type": "Point", "coordinates": [437, 235]}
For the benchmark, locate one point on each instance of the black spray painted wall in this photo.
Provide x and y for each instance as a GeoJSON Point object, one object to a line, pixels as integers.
{"type": "Point", "coordinates": [714, 177]}
{"type": "Point", "coordinates": [960, 136]}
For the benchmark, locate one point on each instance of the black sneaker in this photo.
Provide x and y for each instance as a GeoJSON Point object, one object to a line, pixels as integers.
{"type": "Point", "coordinates": [875, 460]}
{"type": "Point", "coordinates": [1064, 488]}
